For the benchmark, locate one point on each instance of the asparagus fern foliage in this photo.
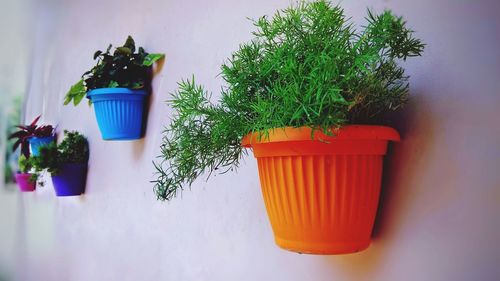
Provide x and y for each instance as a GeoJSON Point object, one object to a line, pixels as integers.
{"type": "Point", "coordinates": [306, 66]}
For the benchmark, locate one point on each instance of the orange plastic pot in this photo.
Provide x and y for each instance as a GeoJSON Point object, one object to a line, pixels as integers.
{"type": "Point", "coordinates": [321, 193]}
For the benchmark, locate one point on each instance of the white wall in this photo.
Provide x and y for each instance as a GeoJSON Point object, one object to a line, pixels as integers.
{"type": "Point", "coordinates": [14, 51]}
{"type": "Point", "coordinates": [441, 195]}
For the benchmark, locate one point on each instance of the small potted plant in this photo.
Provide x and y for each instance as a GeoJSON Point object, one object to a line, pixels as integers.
{"type": "Point", "coordinates": [31, 137]}
{"type": "Point", "coordinates": [117, 86]}
{"type": "Point", "coordinates": [24, 179]}
{"type": "Point", "coordinates": [66, 162]}
{"type": "Point", "coordinates": [310, 96]}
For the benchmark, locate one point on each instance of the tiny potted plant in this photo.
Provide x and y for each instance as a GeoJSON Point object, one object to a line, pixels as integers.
{"type": "Point", "coordinates": [31, 137]}
{"type": "Point", "coordinates": [117, 86]}
{"type": "Point", "coordinates": [24, 179]}
{"type": "Point", "coordinates": [310, 96]}
{"type": "Point", "coordinates": [66, 162]}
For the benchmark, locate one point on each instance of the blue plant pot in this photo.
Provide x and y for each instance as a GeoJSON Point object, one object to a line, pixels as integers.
{"type": "Point", "coordinates": [119, 112]}
{"type": "Point", "coordinates": [36, 143]}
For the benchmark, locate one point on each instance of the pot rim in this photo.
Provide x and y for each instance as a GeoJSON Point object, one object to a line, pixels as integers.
{"type": "Point", "coordinates": [75, 164]}
{"type": "Point", "coordinates": [23, 174]}
{"type": "Point", "coordinates": [348, 132]}
{"type": "Point", "coordinates": [42, 138]}
{"type": "Point", "coordinates": [107, 91]}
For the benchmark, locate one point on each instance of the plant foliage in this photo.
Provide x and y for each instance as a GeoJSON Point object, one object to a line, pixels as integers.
{"type": "Point", "coordinates": [73, 149]}
{"type": "Point", "coordinates": [126, 67]}
{"type": "Point", "coordinates": [25, 132]}
{"type": "Point", "coordinates": [306, 66]}
{"type": "Point", "coordinates": [24, 164]}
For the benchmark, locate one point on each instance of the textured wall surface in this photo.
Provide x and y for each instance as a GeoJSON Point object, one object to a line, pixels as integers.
{"type": "Point", "coordinates": [439, 215]}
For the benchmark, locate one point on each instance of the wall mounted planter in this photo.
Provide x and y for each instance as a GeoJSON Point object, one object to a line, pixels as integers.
{"type": "Point", "coordinates": [24, 183]}
{"type": "Point", "coordinates": [70, 179]}
{"type": "Point", "coordinates": [119, 112]}
{"type": "Point", "coordinates": [36, 143]}
{"type": "Point", "coordinates": [321, 198]}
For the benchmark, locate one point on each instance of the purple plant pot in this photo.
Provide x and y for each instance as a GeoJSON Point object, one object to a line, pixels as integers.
{"type": "Point", "coordinates": [70, 180]}
{"type": "Point", "coordinates": [24, 183]}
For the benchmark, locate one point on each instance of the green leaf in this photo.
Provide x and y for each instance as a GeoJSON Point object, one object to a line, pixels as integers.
{"type": "Point", "coordinates": [137, 85]}
{"type": "Point", "coordinates": [67, 99]}
{"type": "Point", "coordinates": [124, 51]}
{"type": "Point", "coordinates": [77, 99]}
{"type": "Point", "coordinates": [129, 43]}
{"type": "Point", "coordinates": [152, 58]}
{"type": "Point", "coordinates": [113, 84]}
{"type": "Point", "coordinates": [97, 54]}
{"type": "Point", "coordinates": [75, 93]}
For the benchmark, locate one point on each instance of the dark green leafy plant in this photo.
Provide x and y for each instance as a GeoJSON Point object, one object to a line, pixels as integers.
{"type": "Point", "coordinates": [73, 149]}
{"type": "Point", "coordinates": [123, 68]}
{"type": "Point", "coordinates": [307, 66]}
{"type": "Point", "coordinates": [47, 159]}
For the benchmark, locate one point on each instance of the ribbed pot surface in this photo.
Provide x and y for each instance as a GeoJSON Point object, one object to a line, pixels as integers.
{"type": "Point", "coordinates": [119, 112]}
{"type": "Point", "coordinates": [321, 197]}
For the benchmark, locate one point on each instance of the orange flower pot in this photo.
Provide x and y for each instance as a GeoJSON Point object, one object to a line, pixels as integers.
{"type": "Point", "coordinates": [321, 194]}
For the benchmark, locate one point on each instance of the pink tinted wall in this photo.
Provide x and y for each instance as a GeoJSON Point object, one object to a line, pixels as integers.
{"type": "Point", "coordinates": [439, 215]}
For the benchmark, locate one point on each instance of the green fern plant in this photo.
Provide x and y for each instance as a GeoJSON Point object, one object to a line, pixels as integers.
{"type": "Point", "coordinates": [306, 66]}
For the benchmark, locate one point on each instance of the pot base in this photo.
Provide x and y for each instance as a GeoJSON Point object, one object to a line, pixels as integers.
{"type": "Point", "coordinates": [71, 179]}
{"type": "Point", "coordinates": [321, 204]}
{"type": "Point", "coordinates": [24, 182]}
{"type": "Point", "coordinates": [302, 247]}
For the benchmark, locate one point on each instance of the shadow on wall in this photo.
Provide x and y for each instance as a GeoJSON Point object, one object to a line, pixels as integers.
{"type": "Point", "coordinates": [399, 165]}
{"type": "Point", "coordinates": [400, 169]}
{"type": "Point", "coordinates": [138, 146]}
